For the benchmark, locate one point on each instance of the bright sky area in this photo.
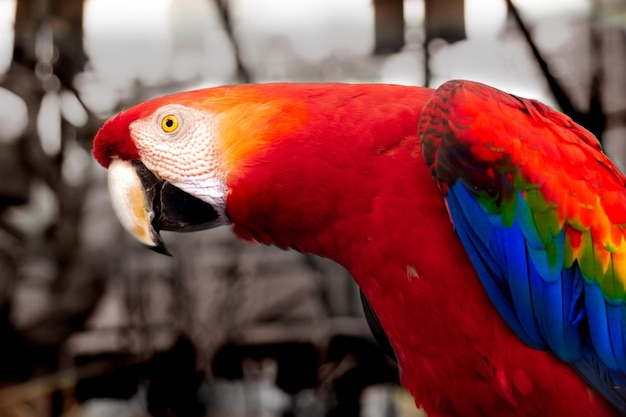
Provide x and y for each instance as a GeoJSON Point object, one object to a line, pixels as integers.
{"type": "Point", "coordinates": [167, 35]}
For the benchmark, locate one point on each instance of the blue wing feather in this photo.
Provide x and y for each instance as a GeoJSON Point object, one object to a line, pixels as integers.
{"type": "Point", "coordinates": [545, 313]}
{"type": "Point", "coordinates": [601, 322]}
{"type": "Point", "coordinates": [474, 229]}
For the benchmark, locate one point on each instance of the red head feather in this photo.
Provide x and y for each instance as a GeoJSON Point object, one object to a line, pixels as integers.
{"type": "Point", "coordinates": [113, 138]}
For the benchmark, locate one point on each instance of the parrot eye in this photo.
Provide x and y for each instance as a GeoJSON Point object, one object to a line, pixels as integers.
{"type": "Point", "coordinates": [169, 123]}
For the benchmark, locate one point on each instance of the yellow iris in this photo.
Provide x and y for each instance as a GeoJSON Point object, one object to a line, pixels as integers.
{"type": "Point", "coordinates": [169, 123]}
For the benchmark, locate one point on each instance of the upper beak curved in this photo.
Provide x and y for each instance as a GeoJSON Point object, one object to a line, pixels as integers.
{"type": "Point", "coordinates": [146, 205]}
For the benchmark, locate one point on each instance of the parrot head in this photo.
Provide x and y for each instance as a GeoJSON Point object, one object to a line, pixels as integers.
{"type": "Point", "coordinates": [160, 156]}
{"type": "Point", "coordinates": [169, 159]}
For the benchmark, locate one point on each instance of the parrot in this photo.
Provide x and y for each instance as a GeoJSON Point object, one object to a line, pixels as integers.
{"type": "Point", "coordinates": [486, 230]}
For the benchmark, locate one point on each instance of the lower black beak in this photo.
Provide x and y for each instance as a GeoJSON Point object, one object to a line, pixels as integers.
{"type": "Point", "coordinates": [174, 209]}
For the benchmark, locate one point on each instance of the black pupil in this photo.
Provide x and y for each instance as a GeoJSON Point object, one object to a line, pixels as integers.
{"type": "Point", "coordinates": [169, 122]}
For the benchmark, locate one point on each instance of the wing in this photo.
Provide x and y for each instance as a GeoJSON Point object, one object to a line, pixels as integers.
{"type": "Point", "coordinates": [541, 212]}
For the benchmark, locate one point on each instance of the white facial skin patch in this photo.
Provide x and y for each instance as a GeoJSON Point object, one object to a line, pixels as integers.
{"type": "Point", "coordinates": [178, 144]}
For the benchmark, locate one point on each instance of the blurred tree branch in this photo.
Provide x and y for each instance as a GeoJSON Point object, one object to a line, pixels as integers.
{"type": "Point", "coordinates": [594, 119]}
{"type": "Point", "coordinates": [224, 12]}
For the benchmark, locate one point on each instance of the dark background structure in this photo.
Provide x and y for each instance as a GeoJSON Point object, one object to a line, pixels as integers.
{"type": "Point", "coordinates": [91, 324]}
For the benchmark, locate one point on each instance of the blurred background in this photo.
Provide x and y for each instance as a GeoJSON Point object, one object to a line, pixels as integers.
{"type": "Point", "coordinates": [92, 324]}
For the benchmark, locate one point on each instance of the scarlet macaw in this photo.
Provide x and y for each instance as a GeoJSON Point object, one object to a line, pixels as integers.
{"type": "Point", "coordinates": [489, 239]}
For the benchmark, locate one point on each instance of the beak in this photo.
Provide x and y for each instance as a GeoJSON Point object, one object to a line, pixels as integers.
{"type": "Point", "coordinates": [146, 205]}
